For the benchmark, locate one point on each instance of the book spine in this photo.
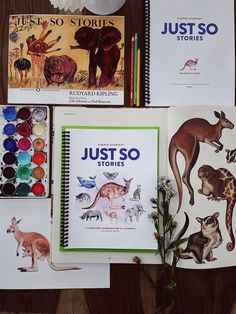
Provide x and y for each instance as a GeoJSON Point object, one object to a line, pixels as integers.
{"type": "Point", "coordinates": [65, 173]}
{"type": "Point", "coordinates": [147, 52]}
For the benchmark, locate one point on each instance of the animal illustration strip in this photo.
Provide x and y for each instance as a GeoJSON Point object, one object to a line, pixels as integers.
{"type": "Point", "coordinates": [220, 184]}
{"type": "Point", "coordinates": [187, 141]}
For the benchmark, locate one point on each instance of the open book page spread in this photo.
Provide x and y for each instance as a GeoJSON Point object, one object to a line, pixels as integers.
{"type": "Point", "coordinates": [191, 60]}
{"type": "Point", "coordinates": [202, 156]}
{"type": "Point", "coordinates": [103, 183]}
{"type": "Point", "coordinates": [26, 243]}
{"type": "Point", "coordinates": [66, 59]}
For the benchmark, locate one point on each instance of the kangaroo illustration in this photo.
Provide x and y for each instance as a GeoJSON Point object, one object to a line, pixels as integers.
{"type": "Point", "coordinates": [191, 64]}
{"type": "Point", "coordinates": [220, 184]}
{"type": "Point", "coordinates": [111, 190]}
{"type": "Point", "coordinates": [186, 141]}
{"type": "Point", "coordinates": [34, 245]}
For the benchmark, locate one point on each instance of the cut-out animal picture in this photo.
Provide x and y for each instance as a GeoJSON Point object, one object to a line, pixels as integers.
{"type": "Point", "coordinates": [220, 184]}
{"type": "Point", "coordinates": [88, 215]}
{"type": "Point", "coordinates": [110, 175]}
{"type": "Point", "coordinates": [35, 246]}
{"type": "Point", "coordinates": [111, 191]}
{"type": "Point", "coordinates": [200, 244]}
{"type": "Point", "coordinates": [83, 197]}
{"type": "Point", "coordinates": [187, 142]}
{"type": "Point", "coordinates": [230, 155]}
{"type": "Point", "coordinates": [88, 184]}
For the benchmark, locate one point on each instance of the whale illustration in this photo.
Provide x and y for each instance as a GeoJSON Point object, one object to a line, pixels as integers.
{"type": "Point", "coordinates": [88, 184]}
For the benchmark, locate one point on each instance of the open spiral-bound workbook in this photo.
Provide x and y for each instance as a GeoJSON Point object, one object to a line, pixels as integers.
{"type": "Point", "coordinates": [189, 52]}
{"type": "Point", "coordinates": [105, 173]}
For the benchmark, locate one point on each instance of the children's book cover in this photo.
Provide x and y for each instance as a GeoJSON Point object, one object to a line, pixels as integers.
{"type": "Point", "coordinates": [25, 231]}
{"type": "Point", "coordinates": [111, 179]}
{"type": "Point", "coordinates": [192, 53]}
{"type": "Point", "coordinates": [66, 59]}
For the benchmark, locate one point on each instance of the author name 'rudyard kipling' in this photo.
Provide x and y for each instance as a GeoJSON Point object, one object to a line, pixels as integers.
{"type": "Point", "coordinates": [92, 93]}
{"type": "Point", "coordinates": [59, 21]}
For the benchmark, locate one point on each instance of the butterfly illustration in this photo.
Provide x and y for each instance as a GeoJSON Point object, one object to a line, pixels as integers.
{"type": "Point", "coordinates": [110, 176]}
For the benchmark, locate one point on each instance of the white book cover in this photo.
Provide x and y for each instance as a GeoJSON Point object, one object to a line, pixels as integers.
{"type": "Point", "coordinates": [25, 260]}
{"type": "Point", "coordinates": [192, 59]}
{"type": "Point", "coordinates": [128, 143]}
{"type": "Point", "coordinates": [110, 187]}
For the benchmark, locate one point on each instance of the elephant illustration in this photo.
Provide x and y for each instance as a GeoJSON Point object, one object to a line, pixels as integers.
{"type": "Point", "coordinates": [103, 52]}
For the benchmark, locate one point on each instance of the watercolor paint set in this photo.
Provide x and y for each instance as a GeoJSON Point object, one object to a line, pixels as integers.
{"type": "Point", "coordinates": [24, 151]}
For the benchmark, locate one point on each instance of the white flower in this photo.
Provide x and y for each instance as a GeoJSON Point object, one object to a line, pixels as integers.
{"type": "Point", "coordinates": [70, 5]}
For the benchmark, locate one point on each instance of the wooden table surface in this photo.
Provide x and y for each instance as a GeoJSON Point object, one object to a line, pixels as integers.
{"type": "Point", "coordinates": [198, 291]}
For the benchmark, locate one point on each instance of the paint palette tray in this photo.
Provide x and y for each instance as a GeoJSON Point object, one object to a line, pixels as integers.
{"type": "Point", "coordinates": [24, 151]}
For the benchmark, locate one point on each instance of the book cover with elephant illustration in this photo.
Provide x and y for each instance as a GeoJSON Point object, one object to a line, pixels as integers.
{"type": "Point", "coordinates": [66, 59]}
{"type": "Point", "coordinates": [195, 148]}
